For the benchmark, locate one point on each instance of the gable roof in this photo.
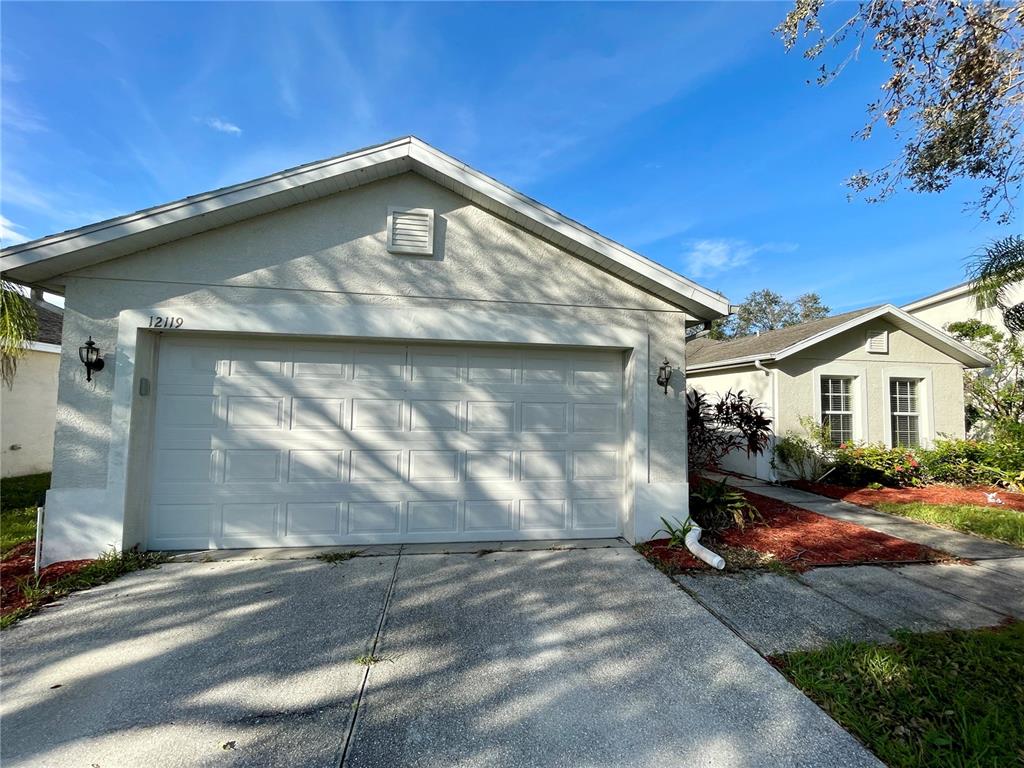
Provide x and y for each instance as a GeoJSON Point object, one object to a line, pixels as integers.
{"type": "Point", "coordinates": [45, 260]}
{"type": "Point", "coordinates": [772, 346]}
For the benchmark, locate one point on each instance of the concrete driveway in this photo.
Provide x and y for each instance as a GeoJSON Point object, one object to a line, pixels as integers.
{"type": "Point", "coordinates": [580, 657]}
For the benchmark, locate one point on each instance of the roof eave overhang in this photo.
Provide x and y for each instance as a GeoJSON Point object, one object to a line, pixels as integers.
{"type": "Point", "coordinates": [736, 362]}
{"type": "Point", "coordinates": [45, 261]}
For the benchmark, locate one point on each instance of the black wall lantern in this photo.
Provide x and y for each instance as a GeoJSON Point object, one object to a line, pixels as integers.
{"type": "Point", "coordinates": [665, 375]}
{"type": "Point", "coordinates": [90, 357]}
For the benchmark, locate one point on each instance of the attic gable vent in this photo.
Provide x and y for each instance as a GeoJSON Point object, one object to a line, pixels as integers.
{"type": "Point", "coordinates": [878, 342]}
{"type": "Point", "coordinates": [411, 231]}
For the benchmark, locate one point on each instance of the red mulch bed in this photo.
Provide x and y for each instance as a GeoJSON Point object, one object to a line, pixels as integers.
{"type": "Point", "coordinates": [801, 540]}
{"type": "Point", "coordinates": [927, 494]}
{"type": "Point", "coordinates": [17, 566]}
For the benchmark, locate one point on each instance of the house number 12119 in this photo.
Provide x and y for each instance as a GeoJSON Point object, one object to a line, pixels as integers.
{"type": "Point", "coordinates": [159, 321]}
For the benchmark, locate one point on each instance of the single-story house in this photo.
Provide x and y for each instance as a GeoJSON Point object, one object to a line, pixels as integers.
{"type": "Point", "coordinates": [28, 408]}
{"type": "Point", "coordinates": [386, 346]}
{"type": "Point", "coordinates": [958, 303]}
{"type": "Point", "coordinates": [874, 375]}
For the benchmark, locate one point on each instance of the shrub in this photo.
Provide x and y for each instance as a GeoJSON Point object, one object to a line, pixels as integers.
{"type": "Point", "coordinates": [714, 429]}
{"type": "Point", "coordinates": [962, 462]}
{"type": "Point", "coordinates": [973, 462]}
{"type": "Point", "coordinates": [717, 506]}
{"type": "Point", "coordinates": [804, 457]}
{"type": "Point", "coordinates": [860, 465]}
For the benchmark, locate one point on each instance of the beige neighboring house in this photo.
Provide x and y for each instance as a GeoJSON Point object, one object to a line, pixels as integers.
{"type": "Point", "coordinates": [875, 375]}
{"type": "Point", "coordinates": [957, 303]}
{"type": "Point", "coordinates": [28, 409]}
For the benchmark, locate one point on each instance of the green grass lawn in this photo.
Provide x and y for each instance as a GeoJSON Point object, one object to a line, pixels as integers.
{"type": "Point", "coordinates": [993, 522]}
{"type": "Point", "coordinates": [942, 700]}
{"type": "Point", "coordinates": [18, 496]}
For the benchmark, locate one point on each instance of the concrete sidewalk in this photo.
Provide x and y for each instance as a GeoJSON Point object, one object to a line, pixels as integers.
{"type": "Point", "coordinates": [540, 658]}
{"type": "Point", "coordinates": [778, 613]}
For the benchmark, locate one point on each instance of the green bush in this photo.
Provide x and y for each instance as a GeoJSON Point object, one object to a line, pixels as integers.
{"type": "Point", "coordinates": [973, 462]}
{"type": "Point", "coordinates": [860, 465]}
{"type": "Point", "coordinates": [961, 462]}
{"type": "Point", "coordinates": [804, 457]}
{"type": "Point", "coordinates": [717, 506]}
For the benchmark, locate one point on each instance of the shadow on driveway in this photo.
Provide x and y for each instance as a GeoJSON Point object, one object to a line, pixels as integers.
{"type": "Point", "coordinates": [547, 658]}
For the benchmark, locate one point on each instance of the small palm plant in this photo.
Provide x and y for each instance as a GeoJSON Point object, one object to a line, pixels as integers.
{"type": "Point", "coordinates": [676, 532]}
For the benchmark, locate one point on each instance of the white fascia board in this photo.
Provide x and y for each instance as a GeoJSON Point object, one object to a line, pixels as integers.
{"type": "Point", "coordinates": [124, 234]}
{"type": "Point", "coordinates": [42, 346]}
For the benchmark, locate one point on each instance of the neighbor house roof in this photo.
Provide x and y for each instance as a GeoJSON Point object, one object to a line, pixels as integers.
{"type": "Point", "coordinates": [49, 322]}
{"type": "Point", "coordinates": [706, 355]}
{"type": "Point", "coordinates": [45, 260]}
{"type": "Point", "coordinates": [940, 296]}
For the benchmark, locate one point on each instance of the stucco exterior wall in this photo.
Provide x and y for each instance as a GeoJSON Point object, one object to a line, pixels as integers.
{"type": "Point", "coordinates": [28, 415]}
{"type": "Point", "coordinates": [963, 307]}
{"type": "Point", "coordinates": [332, 253]}
{"type": "Point", "coordinates": [943, 406]}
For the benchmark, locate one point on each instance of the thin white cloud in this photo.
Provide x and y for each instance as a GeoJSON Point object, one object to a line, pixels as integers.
{"type": "Point", "coordinates": [222, 125]}
{"type": "Point", "coordinates": [8, 233]}
{"type": "Point", "coordinates": [713, 256]}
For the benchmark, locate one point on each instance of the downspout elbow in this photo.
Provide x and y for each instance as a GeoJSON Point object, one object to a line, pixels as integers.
{"type": "Point", "coordinates": [693, 544]}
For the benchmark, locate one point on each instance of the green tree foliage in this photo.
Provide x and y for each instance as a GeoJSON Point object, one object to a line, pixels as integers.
{"type": "Point", "coordinates": [17, 325]}
{"type": "Point", "coordinates": [994, 273]}
{"type": "Point", "coordinates": [994, 397]}
{"type": "Point", "coordinates": [766, 310]}
{"type": "Point", "coordinates": [953, 96]}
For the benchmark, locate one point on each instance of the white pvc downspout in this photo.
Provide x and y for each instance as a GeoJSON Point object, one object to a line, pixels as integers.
{"type": "Point", "coordinates": [774, 386]}
{"type": "Point", "coordinates": [699, 550]}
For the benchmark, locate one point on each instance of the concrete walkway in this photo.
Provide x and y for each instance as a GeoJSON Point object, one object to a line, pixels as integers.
{"type": "Point", "coordinates": [777, 613]}
{"type": "Point", "coordinates": [581, 657]}
{"type": "Point", "coordinates": [955, 543]}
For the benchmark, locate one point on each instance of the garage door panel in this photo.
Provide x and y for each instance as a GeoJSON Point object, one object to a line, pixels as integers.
{"type": "Point", "coordinates": [269, 443]}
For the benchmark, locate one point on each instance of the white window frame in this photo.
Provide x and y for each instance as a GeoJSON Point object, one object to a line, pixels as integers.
{"type": "Point", "coordinates": [858, 392]}
{"type": "Point", "coordinates": [852, 413]}
{"type": "Point", "coordinates": [925, 402]}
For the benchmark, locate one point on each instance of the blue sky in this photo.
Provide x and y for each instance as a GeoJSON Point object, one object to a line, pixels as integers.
{"type": "Point", "coordinates": [683, 131]}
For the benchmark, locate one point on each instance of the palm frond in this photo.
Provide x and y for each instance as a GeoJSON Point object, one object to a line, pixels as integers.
{"type": "Point", "coordinates": [994, 273]}
{"type": "Point", "coordinates": [18, 325]}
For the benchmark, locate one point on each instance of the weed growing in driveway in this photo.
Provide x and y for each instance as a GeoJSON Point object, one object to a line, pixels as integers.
{"type": "Point", "coordinates": [943, 700]}
{"type": "Point", "coordinates": [369, 659]}
{"type": "Point", "coordinates": [103, 569]}
{"type": "Point", "coordinates": [337, 557]}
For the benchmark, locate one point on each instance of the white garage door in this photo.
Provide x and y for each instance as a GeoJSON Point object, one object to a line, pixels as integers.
{"type": "Point", "coordinates": [288, 443]}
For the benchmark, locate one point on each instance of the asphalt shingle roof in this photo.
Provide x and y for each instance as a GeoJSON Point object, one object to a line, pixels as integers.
{"type": "Point", "coordinates": [704, 350]}
{"type": "Point", "coordinates": [50, 322]}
